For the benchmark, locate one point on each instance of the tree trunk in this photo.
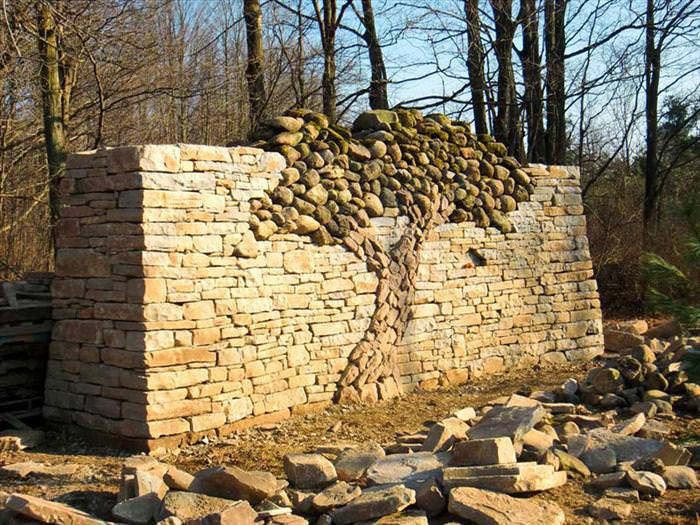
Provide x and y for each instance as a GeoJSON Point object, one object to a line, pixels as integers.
{"type": "Point", "coordinates": [300, 66]}
{"type": "Point", "coordinates": [507, 124]}
{"type": "Point", "coordinates": [555, 45]}
{"type": "Point", "coordinates": [652, 71]}
{"type": "Point", "coordinates": [378, 98]}
{"type": "Point", "coordinates": [328, 38]}
{"type": "Point", "coordinates": [475, 65]}
{"type": "Point", "coordinates": [256, 59]}
{"type": "Point", "coordinates": [531, 62]}
{"type": "Point", "coordinates": [52, 73]}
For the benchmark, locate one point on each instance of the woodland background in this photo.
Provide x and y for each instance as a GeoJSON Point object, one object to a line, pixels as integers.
{"type": "Point", "coordinates": [612, 86]}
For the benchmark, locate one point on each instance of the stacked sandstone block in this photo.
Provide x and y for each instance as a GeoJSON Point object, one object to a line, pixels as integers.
{"type": "Point", "coordinates": [172, 321]}
{"type": "Point", "coordinates": [488, 301]}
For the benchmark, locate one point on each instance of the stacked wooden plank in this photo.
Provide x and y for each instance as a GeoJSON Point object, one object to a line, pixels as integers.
{"type": "Point", "coordinates": [25, 332]}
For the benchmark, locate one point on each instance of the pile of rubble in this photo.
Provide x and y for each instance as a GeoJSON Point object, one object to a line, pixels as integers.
{"type": "Point", "coordinates": [468, 466]}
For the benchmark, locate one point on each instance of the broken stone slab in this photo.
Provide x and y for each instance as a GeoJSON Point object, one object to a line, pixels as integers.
{"type": "Point", "coordinates": [444, 434]}
{"type": "Point", "coordinates": [407, 517]}
{"type": "Point", "coordinates": [560, 408]}
{"type": "Point", "coordinates": [31, 468]}
{"type": "Point", "coordinates": [430, 498]}
{"type": "Point", "coordinates": [543, 396]}
{"type": "Point", "coordinates": [139, 510]}
{"type": "Point", "coordinates": [483, 507]}
{"type": "Point", "coordinates": [235, 483]}
{"type": "Point", "coordinates": [17, 440]}
{"type": "Point", "coordinates": [671, 455]}
{"type": "Point", "coordinates": [336, 495]}
{"type": "Point", "coordinates": [618, 340]}
{"type": "Point", "coordinates": [49, 511]}
{"type": "Point", "coordinates": [600, 460]}
{"type": "Point", "coordinates": [571, 463]}
{"type": "Point", "coordinates": [189, 506]}
{"type": "Point", "coordinates": [622, 493]}
{"type": "Point", "coordinates": [373, 503]}
{"type": "Point", "coordinates": [605, 481]}
{"type": "Point", "coordinates": [503, 421]}
{"type": "Point", "coordinates": [301, 501]}
{"type": "Point", "coordinates": [238, 513]}
{"type": "Point", "coordinates": [516, 400]}
{"type": "Point", "coordinates": [654, 429]}
{"type": "Point", "coordinates": [610, 509]}
{"type": "Point", "coordinates": [142, 475]}
{"type": "Point", "coordinates": [629, 427]}
{"type": "Point", "coordinates": [538, 440]}
{"type": "Point", "coordinates": [627, 448]}
{"type": "Point", "coordinates": [352, 464]}
{"type": "Point", "coordinates": [306, 471]}
{"type": "Point", "coordinates": [401, 448]}
{"type": "Point", "coordinates": [511, 479]}
{"type": "Point", "coordinates": [177, 479]}
{"type": "Point", "coordinates": [406, 469]}
{"type": "Point", "coordinates": [505, 469]}
{"type": "Point", "coordinates": [646, 483]}
{"type": "Point", "coordinates": [412, 439]}
{"type": "Point", "coordinates": [586, 422]}
{"type": "Point", "coordinates": [680, 477]}
{"type": "Point", "coordinates": [577, 444]}
{"type": "Point", "coordinates": [466, 414]}
{"type": "Point", "coordinates": [267, 509]}
{"type": "Point", "coordinates": [285, 519]}
{"type": "Point", "coordinates": [489, 451]}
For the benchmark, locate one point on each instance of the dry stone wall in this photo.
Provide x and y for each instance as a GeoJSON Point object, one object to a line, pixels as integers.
{"type": "Point", "coordinates": [173, 321]}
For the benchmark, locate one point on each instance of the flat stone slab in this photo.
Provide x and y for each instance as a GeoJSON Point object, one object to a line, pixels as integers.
{"type": "Point", "coordinates": [309, 470]}
{"type": "Point", "coordinates": [410, 470]}
{"type": "Point", "coordinates": [352, 464]}
{"type": "Point", "coordinates": [610, 509]}
{"type": "Point", "coordinates": [489, 451]}
{"type": "Point", "coordinates": [49, 511]}
{"type": "Point", "coordinates": [235, 483]}
{"type": "Point", "coordinates": [483, 507]}
{"type": "Point", "coordinates": [444, 434]}
{"type": "Point", "coordinates": [374, 502]}
{"type": "Point", "coordinates": [191, 506]}
{"type": "Point", "coordinates": [513, 422]}
{"type": "Point", "coordinates": [626, 448]}
{"type": "Point", "coordinates": [530, 477]}
{"type": "Point", "coordinates": [31, 468]}
{"type": "Point", "coordinates": [139, 510]}
{"type": "Point", "coordinates": [407, 517]}
{"type": "Point", "coordinates": [505, 469]}
{"type": "Point", "coordinates": [337, 495]}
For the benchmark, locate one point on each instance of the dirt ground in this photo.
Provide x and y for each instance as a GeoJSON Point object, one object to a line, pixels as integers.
{"type": "Point", "coordinates": [94, 486]}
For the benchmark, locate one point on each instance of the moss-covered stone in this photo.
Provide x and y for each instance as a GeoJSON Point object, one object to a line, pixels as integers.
{"type": "Point", "coordinates": [336, 180]}
{"type": "Point", "coordinates": [377, 119]}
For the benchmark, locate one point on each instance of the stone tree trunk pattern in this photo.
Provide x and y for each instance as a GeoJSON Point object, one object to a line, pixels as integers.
{"type": "Point", "coordinates": [435, 170]}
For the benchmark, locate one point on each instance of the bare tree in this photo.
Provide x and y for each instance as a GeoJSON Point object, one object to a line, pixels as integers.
{"type": "Point", "coordinates": [668, 23]}
{"type": "Point", "coordinates": [475, 64]}
{"type": "Point", "coordinates": [55, 75]}
{"type": "Point", "coordinates": [256, 60]}
{"type": "Point", "coordinates": [530, 59]}
{"type": "Point", "coordinates": [378, 98]}
{"type": "Point", "coordinates": [329, 18]}
{"type": "Point", "coordinates": [506, 128]}
{"type": "Point", "coordinates": [555, 46]}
